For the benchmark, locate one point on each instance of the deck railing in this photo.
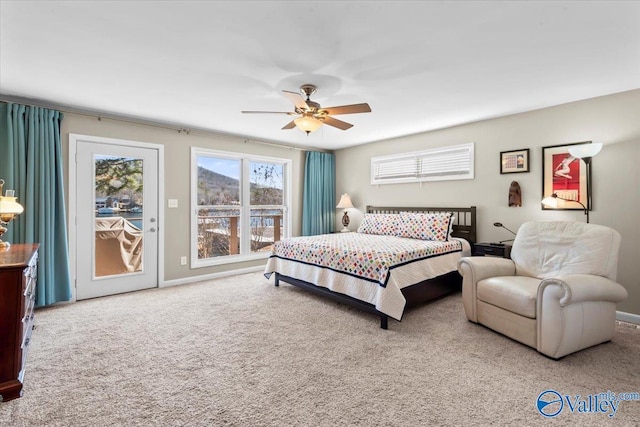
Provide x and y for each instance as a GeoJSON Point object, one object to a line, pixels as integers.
{"type": "Point", "coordinates": [218, 235]}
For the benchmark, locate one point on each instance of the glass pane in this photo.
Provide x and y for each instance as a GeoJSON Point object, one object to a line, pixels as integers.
{"type": "Point", "coordinates": [267, 227]}
{"type": "Point", "coordinates": [118, 211]}
{"type": "Point", "coordinates": [266, 184]}
{"type": "Point", "coordinates": [218, 231]}
{"type": "Point", "coordinates": [218, 181]}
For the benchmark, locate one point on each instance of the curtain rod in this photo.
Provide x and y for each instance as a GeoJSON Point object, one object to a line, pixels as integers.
{"type": "Point", "coordinates": [132, 120]}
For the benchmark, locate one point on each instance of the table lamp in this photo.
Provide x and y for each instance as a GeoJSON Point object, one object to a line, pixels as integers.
{"type": "Point", "coordinates": [9, 208]}
{"type": "Point", "coordinates": [345, 203]}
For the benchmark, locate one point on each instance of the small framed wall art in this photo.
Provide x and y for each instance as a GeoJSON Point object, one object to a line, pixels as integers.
{"type": "Point", "coordinates": [514, 161]}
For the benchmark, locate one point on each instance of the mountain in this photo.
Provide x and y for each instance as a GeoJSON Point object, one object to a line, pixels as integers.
{"type": "Point", "coordinates": [218, 189]}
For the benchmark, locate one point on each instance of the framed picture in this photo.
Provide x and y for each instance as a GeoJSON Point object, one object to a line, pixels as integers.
{"type": "Point", "coordinates": [514, 161]}
{"type": "Point", "coordinates": [565, 176]}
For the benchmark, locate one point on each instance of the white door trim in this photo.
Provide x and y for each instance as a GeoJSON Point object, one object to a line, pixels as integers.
{"type": "Point", "coordinates": [71, 218]}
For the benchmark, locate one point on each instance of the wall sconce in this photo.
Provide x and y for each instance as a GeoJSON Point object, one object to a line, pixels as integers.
{"type": "Point", "coordinates": [585, 152]}
{"type": "Point", "coordinates": [499, 224]}
{"type": "Point", "coordinates": [345, 203]}
{"type": "Point", "coordinates": [9, 208]}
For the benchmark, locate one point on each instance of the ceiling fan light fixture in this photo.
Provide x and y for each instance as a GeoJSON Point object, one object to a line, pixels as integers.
{"type": "Point", "coordinates": [307, 124]}
{"type": "Point", "coordinates": [312, 115]}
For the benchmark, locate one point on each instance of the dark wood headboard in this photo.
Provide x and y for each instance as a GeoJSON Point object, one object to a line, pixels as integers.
{"type": "Point", "coordinates": [464, 225]}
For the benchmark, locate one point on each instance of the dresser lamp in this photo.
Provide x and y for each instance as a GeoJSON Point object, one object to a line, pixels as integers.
{"type": "Point", "coordinates": [345, 203]}
{"type": "Point", "coordinates": [9, 208]}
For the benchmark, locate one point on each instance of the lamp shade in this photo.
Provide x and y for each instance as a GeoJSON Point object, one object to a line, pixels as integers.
{"type": "Point", "coordinates": [585, 150]}
{"type": "Point", "coordinates": [345, 202]}
{"type": "Point", "coordinates": [307, 123]}
{"type": "Point", "coordinates": [9, 206]}
{"type": "Point", "coordinates": [550, 201]}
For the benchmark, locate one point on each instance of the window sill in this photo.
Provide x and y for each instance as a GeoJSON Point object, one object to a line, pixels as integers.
{"type": "Point", "coordinates": [229, 259]}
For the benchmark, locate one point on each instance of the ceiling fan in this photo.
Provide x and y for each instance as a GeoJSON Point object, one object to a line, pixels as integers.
{"type": "Point", "coordinates": [312, 115]}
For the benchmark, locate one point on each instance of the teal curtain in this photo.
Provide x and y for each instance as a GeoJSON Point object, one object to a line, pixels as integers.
{"type": "Point", "coordinates": [31, 164]}
{"type": "Point", "coordinates": [319, 203]}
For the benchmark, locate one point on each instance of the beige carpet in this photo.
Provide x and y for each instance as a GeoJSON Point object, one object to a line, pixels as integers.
{"type": "Point", "coordinates": [239, 351]}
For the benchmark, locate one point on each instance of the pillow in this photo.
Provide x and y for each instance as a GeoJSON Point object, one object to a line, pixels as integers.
{"type": "Point", "coordinates": [384, 224]}
{"type": "Point", "coordinates": [453, 220]}
{"type": "Point", "coordinates": [425, 226]}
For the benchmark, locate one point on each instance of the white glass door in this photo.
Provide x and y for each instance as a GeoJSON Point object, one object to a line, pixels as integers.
{"type": "Point", "coordinates": [116, 219]}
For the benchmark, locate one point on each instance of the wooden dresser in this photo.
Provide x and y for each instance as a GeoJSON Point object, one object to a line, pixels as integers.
{"type": "Point", "coordinates": [18, 272]}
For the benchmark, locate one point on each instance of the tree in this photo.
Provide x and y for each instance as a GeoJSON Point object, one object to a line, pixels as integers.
{"type": "Point", "coordinates": [266, 184]}
{"type": "Point", "coordinates": [114, 175]}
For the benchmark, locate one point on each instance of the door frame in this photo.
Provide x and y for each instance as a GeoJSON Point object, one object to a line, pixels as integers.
{"type": "Point", "coordinates": [74, 139]}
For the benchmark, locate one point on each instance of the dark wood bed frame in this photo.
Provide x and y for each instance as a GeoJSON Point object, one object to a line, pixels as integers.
{"type": "Point", "coordinates": [420, 293]}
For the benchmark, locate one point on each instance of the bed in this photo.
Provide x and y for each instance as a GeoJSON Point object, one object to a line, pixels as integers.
{"type": "Point", "coordinates": [379, 269]}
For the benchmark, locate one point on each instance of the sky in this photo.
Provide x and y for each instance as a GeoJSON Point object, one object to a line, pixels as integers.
{"type": "Point", "coordinates": [231, 168]}
{"type": "Point", "coordinates": [226, 167]}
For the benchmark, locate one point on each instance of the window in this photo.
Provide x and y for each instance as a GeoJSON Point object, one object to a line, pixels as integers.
{"type": "Point", "coordinates": [437, 164]}
{"type": "Point", "coordinates": [241, 206]}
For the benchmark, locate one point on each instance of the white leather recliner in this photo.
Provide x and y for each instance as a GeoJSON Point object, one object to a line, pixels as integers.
{"type": "Point", "coordinates": [556, 294]}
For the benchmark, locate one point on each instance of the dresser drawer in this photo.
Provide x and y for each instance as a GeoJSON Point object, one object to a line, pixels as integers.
{"type": "Point", "coordinates": [27, 328]}
{"type": "Point", "coordinates": [30, 277]}
{"type": "Point", "coordinates": [18, 276]}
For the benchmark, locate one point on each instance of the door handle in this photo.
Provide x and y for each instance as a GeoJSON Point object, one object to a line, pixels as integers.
{"type": "Point", "coordinates": [152, 229]}
{"type": "Point", "coordinates": [152, 220]}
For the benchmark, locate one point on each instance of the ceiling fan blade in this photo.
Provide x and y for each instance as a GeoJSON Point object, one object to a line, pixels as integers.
{"type": "Point", "coordinates": [267, 112]}
{"type": "Point", "coordinates": [336, 123]}
{"type": "Point", "coordinates": [297, 99]}
{"type": "Point", "coordinates": [348, 109]}
{"type": "Point", "coordinates": [289, 125]}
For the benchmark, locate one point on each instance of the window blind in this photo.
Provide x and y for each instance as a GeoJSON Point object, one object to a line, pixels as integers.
{"type": "Point", "coordinates": [437, 164]}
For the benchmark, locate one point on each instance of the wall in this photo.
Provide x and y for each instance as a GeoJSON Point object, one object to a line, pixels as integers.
{"type": "Point", "coordinates": [177, 154]}
{"type": "Point", "coordinates": [613, 120]}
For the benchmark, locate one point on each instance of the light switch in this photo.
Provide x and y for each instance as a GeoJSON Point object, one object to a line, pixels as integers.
{"type": "Point", "coordinates": [173, 203]}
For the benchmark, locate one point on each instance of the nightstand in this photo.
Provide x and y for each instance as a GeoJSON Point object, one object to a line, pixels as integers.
{"type": "Point", "coordinates": [492, 249]}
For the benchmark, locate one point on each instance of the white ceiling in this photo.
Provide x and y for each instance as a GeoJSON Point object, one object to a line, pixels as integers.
{"type": "Point", "coordinates": [420, 65]}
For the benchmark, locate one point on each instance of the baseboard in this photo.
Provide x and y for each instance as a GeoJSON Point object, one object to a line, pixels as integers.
{"type": "Point", "coordinates": [628, 317]}
{"type": "Point", "coordinates": [204, 277]}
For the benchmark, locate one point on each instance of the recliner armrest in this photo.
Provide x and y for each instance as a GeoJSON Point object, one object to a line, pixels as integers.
{"type": "Point", "coordinates": [481, 267]}
{"type": "Point", "coordinates": [584, 287]}
{"type": "Point", "coordinates": [474, 269]}
{"type": "Point", "coordinates": [575, 311]}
